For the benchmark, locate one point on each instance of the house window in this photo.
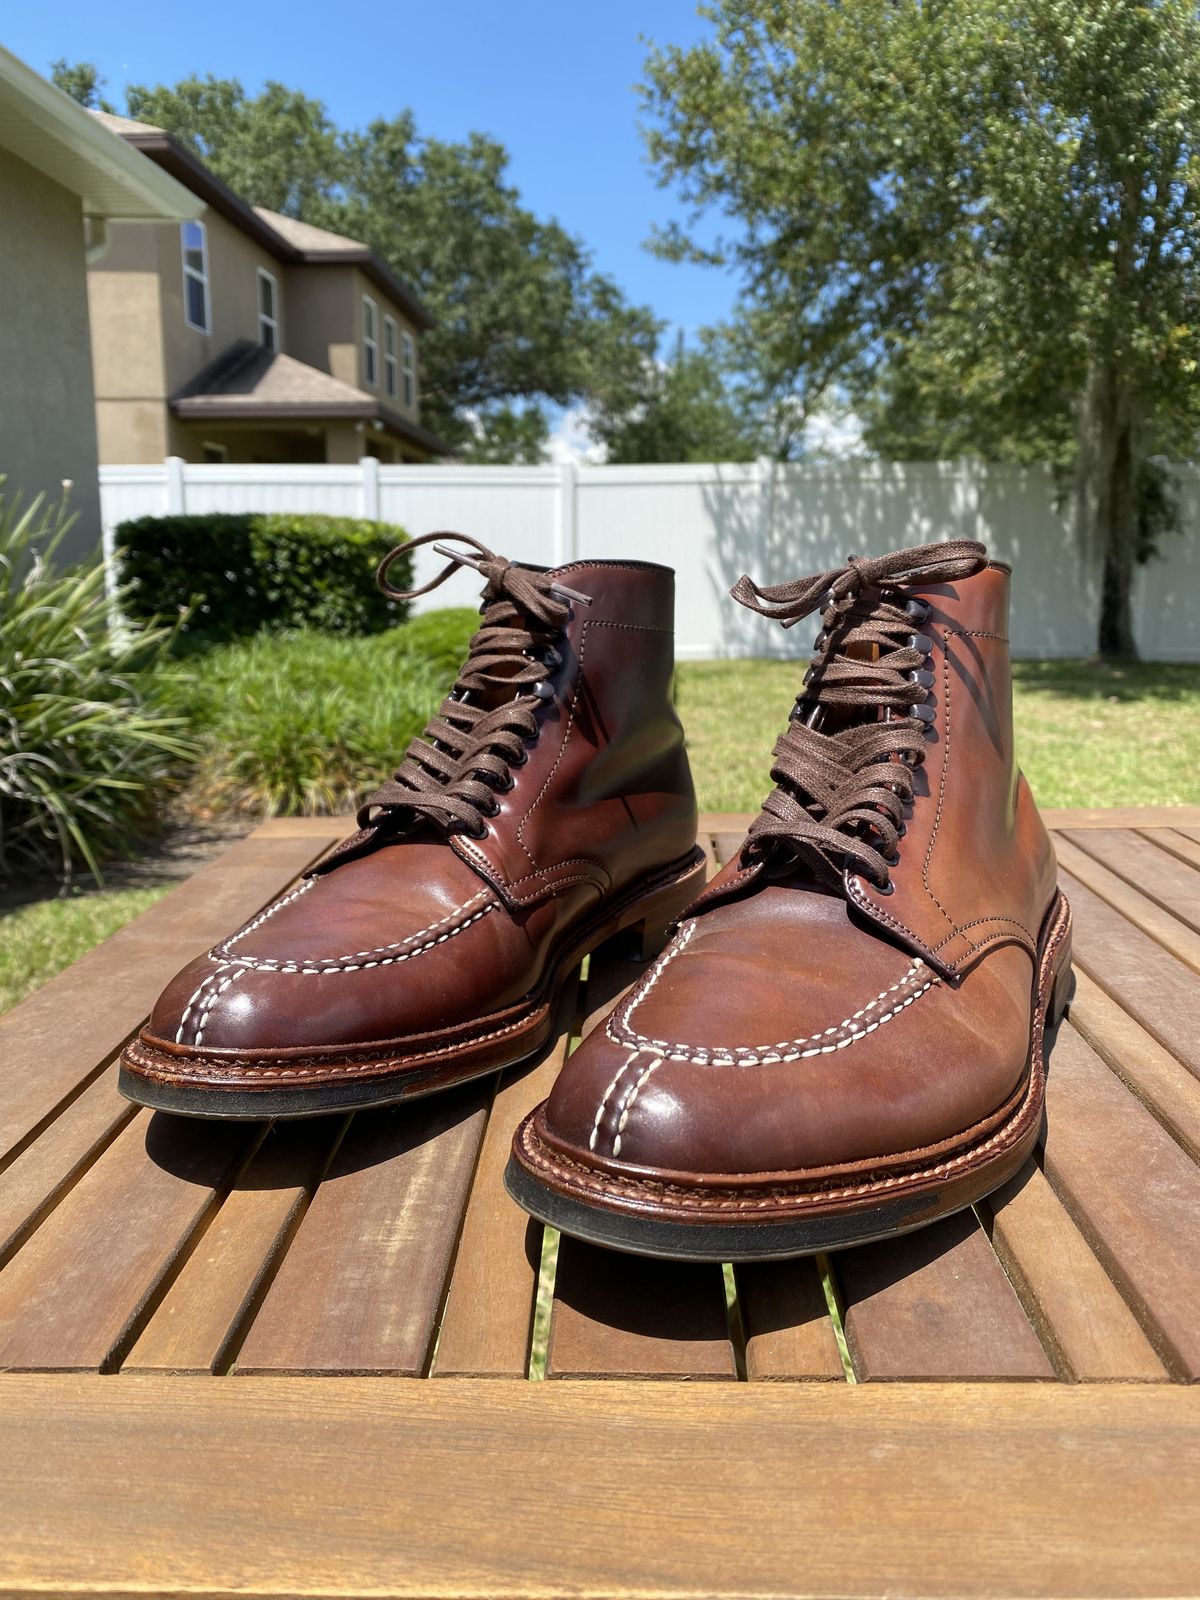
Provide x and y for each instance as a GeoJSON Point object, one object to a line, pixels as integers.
{"type": "Point", "coordinates": [370, 341]}
{"type": "Point", "coordinates": [408, 367]}
{"type": "Point", "coordinates": [213, 454]}
{"type": "Point", "coordinates": [197, 305]}
{"type": "Point", "coordinates": [389, 355]}
{"type": "Point", "coordinates": [268, 310]}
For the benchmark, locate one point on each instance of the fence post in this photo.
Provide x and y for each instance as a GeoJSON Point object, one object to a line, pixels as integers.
{"type": "Point", "coordinates": [566, 535]}
{"type": "Point", "coordinates": [369, 498]}
{"type": "Point", "coordinates": [175, 486]}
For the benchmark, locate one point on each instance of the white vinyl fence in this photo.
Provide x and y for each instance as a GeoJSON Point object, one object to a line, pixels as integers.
{"type": "Point", "coordinates": [712, 523]}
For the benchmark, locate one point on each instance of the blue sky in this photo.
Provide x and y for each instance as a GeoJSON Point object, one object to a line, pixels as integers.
{"type": "Point", "coordinates": [553, 81]}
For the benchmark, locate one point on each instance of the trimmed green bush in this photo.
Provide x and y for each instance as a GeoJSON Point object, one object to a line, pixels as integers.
{"type": "Point", "coordinates": [89, 736]}
{"type": "Point", "coordinates": [309, 724]}
{"type": "Point", "coordinates": [234, 575]}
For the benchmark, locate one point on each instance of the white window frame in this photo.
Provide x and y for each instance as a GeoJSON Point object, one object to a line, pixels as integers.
{"type": "Point", "coordinates": [265, 321]}
{"type": "Point", "coordinates": [390, 381]}
{"type": "Point", "coordinates": [408, 369]}
{"type": "Point", "coordinates": [201, 277]}
{"type": "Point", "coordinates": [370, 342]}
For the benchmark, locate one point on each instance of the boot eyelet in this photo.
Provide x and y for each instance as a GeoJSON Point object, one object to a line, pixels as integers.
{"type": "Point", "coordinates": [551, 659]}
{"type": "Point", "coordinates": [918, 610]}
{"type": "Point", "coordinates": [493, 809]}
{"type": "Point", "coordinates": [923, 676]}
{"type": "Point", "coordinates": [925, 712]}
{"type": "Point", "coordinates": [503, 785]}
{"type": "Point", "coordinates": [894, 859]}
{"type": "Point", "coordinates": [543, 690]}
{"type": "Point", "coordinates": [476, 829]}
{"type": "Point", "coordinates": [518, 761]}
{"type": "Point", "coordinates": [885, 888]}
{"type": "Point", "coordinates": [901, 830]}
{"type": "Point", "coordinates": [921, 642]}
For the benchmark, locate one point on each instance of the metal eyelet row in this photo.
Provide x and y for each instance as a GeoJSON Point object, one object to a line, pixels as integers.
{"type": "Point", "coordinates": [544, 690]}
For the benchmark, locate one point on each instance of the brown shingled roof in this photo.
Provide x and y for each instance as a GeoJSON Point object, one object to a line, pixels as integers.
{"type": "Point", "coordinates": [251, 383]}
{"type": "Point", "coordinates": [285, 237]}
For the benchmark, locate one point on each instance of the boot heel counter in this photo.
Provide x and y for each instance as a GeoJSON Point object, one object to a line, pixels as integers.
{"type": "Point", "coordinates": [1035, 845]}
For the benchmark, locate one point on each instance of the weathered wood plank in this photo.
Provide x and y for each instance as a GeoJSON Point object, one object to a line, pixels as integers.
{"type": "Point", "coordinates": [282, 1487]}
{"type": "Point", "coordinates": [1159, 1081]}
{"type": "Point", "coordinates": [1079, 1313]}
{"type": "Point", "coordinates": [1134, 969]}
{"type": "Point", "coordinates": [1123, 817]}
{"type": "Point", "coordinates": [54, 1040]}
{"type": "Point", "coordinates": [488, 1318]}
{"type": "Point", "coordinates": [216, 1290]}
{"type": "Point", "coordinates": [935, 1304]}
{"type": "Point", "coordinates": [73, 1295]}
{"type": "Point", "coordinates": [786, 1322]}
{"type": "Point", "coordinates": [625, 1316]}
{"type": "Point", "coordinates": [360, 1287]}
{"type": "Point", "coordinates": [36, 1179]}
{"type": "Point", "coordinates": [1132, 1190]}
{"type": "Point", "coordinates": [1154, 873]}
{"type": "Point", "coordinates": [1137, 908]}
{"type": "Point", "coordinates": [1175, 843]}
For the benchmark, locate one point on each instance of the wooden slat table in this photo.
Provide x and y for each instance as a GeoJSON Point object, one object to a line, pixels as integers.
{"type": "Point", "coordinates": [1001, 1404]}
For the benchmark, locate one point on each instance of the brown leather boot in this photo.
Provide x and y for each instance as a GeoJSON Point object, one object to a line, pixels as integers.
{"type": "Point", "coordinates": [548, 805]}
{"type": "Point", "coordinates": [843, 1041]}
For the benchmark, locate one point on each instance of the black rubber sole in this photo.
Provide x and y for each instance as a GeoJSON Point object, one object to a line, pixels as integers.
{"type": "Point", "coordinates": [677, 1241]}
{"type": "Point", "coordinates": [261, 1105]}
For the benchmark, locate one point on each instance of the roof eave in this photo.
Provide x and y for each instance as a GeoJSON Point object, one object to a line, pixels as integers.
{"type": "Point", "coordinates": [146, 194]}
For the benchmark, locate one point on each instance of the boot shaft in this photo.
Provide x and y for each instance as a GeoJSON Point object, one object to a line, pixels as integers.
{"type": "Point", "coordinates": [606, 793]}
{"type": "Point", "coordinates": [976, 866]}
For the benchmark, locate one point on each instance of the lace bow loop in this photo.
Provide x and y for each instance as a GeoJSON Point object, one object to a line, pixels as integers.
{"type": "Point", "coordinates": [840, 587]}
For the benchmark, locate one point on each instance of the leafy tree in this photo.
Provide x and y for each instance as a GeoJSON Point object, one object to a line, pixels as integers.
{"type": "Point", "coordinates": [82, 81]}
{"type": "Point", "coordinates": [980, 215]}
{"type": "Point", "coordinates": [521, 317]}
{"type": "Point", "coordinates": [683, 412]}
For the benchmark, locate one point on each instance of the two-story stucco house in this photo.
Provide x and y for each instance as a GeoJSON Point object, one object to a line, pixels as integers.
{"type": "Point", "coordinates": [63, 183]}
{"type": "Point", "coordinates": [248, 336]}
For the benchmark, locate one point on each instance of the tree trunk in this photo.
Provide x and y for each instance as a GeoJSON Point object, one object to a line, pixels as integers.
{"type": "Point", "coordinates": [1106, 501]}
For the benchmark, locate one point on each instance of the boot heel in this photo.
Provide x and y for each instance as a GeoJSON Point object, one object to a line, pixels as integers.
{"type": "Point", "coordinates": [649, 927]}
{"type": "Point", "coordinates": [1062, 982]}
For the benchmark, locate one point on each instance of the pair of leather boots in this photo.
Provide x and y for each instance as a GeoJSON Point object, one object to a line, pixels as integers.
{"type": "Point", "coordinates": [843, 1036]}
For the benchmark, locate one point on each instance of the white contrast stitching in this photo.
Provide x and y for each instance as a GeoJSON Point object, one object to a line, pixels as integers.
{"type": "Point", "coordinates": [312, 969]}
{"type": "Point", "coordinates": [344, 963]}
{"type": "Point", "coordinates": [210, 977]}
{"type": "Point", "coordinates": [632, 1096]}
{"type": "Point", "coordinates": [269, 912]}
{"type": "Point", "coordinates": [600, 1109]}
{"type": "Point", "coordinates": [757, 1055]}
{"type": "Point", "coordinates": [210, 1000]}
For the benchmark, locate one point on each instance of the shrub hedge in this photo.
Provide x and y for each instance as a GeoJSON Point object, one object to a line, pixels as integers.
{"type": "Point", "coordinates": [309, 724]}
{"type": "Point", "coordinates": [238, 574]}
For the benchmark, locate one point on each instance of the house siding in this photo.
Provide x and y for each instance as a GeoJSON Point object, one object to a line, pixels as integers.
{"type": "Point", "coordinates": [47, 418]}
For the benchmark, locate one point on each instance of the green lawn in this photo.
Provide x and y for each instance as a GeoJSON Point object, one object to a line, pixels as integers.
{"type": "Point", "coordinates": [41, 938]}
{"type": "Point", "coordinates": [1087, 735]}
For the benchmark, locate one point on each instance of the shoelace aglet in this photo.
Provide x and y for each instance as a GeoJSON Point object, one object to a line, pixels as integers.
{"type": "Point", "coordinates": [559, 590]}
{"type": "Point", "coordinates": [459, 556]}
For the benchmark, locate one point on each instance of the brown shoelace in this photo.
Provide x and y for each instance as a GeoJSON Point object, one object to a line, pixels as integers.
{"type": "Point", "coordinates": [452, 772]}
{"type": "Point", "coordinates": [840, 794]}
